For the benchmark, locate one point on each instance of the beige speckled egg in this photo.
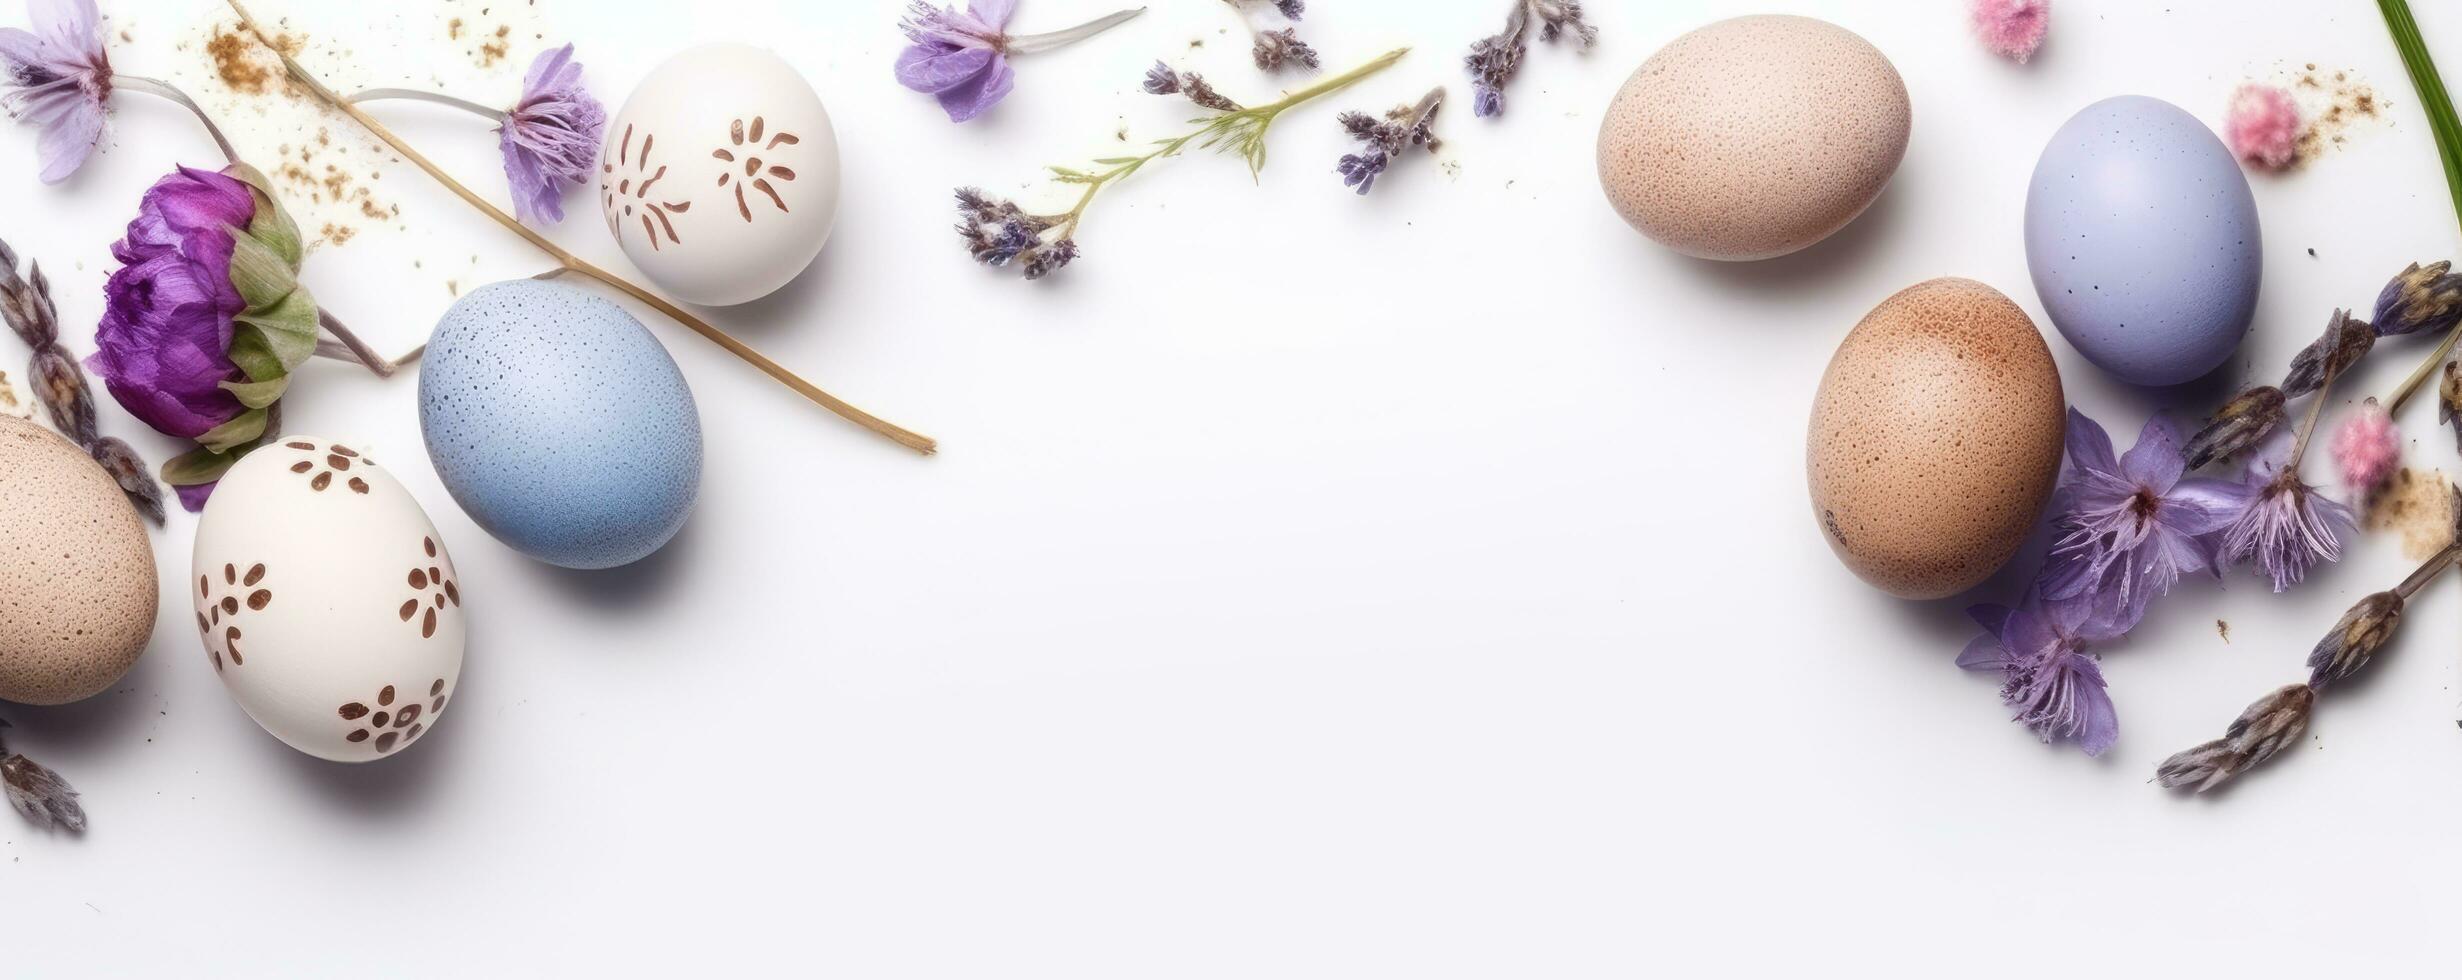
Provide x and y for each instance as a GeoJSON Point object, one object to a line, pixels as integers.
{"type": "Point", "coordinates": [1753, 137]}
{"type": "Point", "coordinates": [1936, 436]}
{"type": "Point", "coordinates": [77, 587]}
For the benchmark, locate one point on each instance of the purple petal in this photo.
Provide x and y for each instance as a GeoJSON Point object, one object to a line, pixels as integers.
{"type": "Point", "coordinates": [2097, 723]}
{"type": "Point", "coordinates": [2090, 448]}
{"type": "Point", "coordinates": [193, 496]}
{"type": "Point", "coordinates": [1992, 616]}
{"type": "Point", "coordinates": [2203, 505]}
{"type": "Point", "coordinates": [994, 14]}
{"type": "Point", "coordinates": [933, 69]}
{"type": "Point", "coordinates": [1984, 653]}
{"type": "Point", "coordinates": [977, 95]}
{"type": "Point", "coordinates": [67, 142]}
{"type": "Point", "coordinates": [2155, 462]}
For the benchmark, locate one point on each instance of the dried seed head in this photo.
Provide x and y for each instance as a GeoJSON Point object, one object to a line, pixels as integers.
{"type": "Point", "coordinates": [2346, 340]}
{"type": "Point", "coordinates": [2422, 298]}
{"type": "Point", "coordinates": [2261, 731]}
{"type": "Point", "coordinates": [2357, 637]}
{"type": "Point", "coordinates": [130, 473]}
{"type": "Point", "coordinates": [1275, 49]}
{"type": "Point", "coordinates": [2241, 422]}
{"type": "Point", "coordinates": [40, 794]}
{"type": "Point", "coordinates": [2449, 400]}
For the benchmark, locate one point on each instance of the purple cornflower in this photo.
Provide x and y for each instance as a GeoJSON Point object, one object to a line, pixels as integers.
{"type": "Point", "coordinates": [962, 59]}
{"type": "Point", "coordinates": [1494, 60]}
{"type": "Point", "coordinates": [2131, 525]}
{"type": "Point", "coordinates": [2288, 525]}
{"type": "Point", "coordinates": [551, 137]}
{"type": "Point", "coordinates": [59, 78]}
{"type": "Point", "coordinates": [2048, 674]}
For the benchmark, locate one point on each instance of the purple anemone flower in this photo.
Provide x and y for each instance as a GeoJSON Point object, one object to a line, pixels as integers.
{"type": "Point", "coordinates": [2288, 525]}
{"type": "Point", "coordinates": [59, 78]}
{"type": "Point", "coordinates": [962, 59]}
{"type": "Point", "coordinates": [165, 338]}
{"type": "Point", "coordinates": [2131, 525]}
{"type": "Point", "coordinates": [2048, 674]}
{"type": "Point", "coordinates": [551, 137]}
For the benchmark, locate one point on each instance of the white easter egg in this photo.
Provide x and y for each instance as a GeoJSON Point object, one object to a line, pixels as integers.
{"type": "Point", "coordinates": [327, 601]}
{"type": "Point", "coordinates": [720, 175]}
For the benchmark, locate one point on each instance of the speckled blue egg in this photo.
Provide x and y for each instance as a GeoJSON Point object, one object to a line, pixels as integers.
{"type": "Point", "coordinates": [560, 424]}
{"type": "Point", "coordinates": [2143, 241]}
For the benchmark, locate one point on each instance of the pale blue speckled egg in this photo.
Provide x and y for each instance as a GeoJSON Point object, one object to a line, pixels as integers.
{"type": "Point", "coordinates": [560, 424]}
{"type": "Point", "coordinates": [2143, 240]}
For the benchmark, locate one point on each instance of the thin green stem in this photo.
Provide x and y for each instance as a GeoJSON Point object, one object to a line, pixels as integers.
{"type": "Point", "coordinates": [2442, 122]}
{"type": "Point", "coordinates": [421, 95]}
{"type": "Point", "coordinates": [1241, 129]}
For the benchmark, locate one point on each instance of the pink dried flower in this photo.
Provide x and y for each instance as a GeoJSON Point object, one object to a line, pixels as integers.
{"type": "Point", "coordinates": [2367, 447]}
{"type": "Point", "coordinates": [2012, 29]}
{"type": "Point", "coordinates": [2263, 125]}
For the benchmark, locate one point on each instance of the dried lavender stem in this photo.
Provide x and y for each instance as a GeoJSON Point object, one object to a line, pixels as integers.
{"type": "Point", "coordinates": [2428, 571]}
{"type": "Point", "coordinates": [439, 98]}
{"type": "Point", "coordinates": [912, 440]}
{"type": "Point", "coordinates": [1036, 43]}
{"type": "Point", "coordinates": [2411, 385]}
{"type": "Point", "coordinates": [346, 346]}
{"type": "Point", "coordinates": [2316, 408]}
{"type": "Point", "coordinates": [165, 90]}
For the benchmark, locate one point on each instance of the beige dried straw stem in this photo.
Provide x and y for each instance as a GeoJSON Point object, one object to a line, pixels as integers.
{"type": "Point", "coordinates": [911, 440]}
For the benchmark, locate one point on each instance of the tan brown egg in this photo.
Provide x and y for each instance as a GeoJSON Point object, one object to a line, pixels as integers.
{"type": "Point", "coordinates": [1935, 440]}
{"type": "Point", "coordinates": [77, 586]}
{"type": "Point", "coordinates": [1753, 137]}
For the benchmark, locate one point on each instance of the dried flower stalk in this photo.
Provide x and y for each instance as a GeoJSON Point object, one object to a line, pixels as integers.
{"type": "Point", "coordinates": [915, 441]}
{"type": "Point", "coordinates": [39, 793]}
{"type": "Point", "coordinates": [60, 384]}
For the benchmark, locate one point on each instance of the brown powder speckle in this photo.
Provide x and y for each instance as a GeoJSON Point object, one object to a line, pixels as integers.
{"type": "Point", "coordinates": [2418, 506]}
{"type": "Point", "coordinates": [2331, 103]}
{"type": "Point", "coordinates": [2223, 629]}
{"type": "Point", "coordinates": [235, 62]}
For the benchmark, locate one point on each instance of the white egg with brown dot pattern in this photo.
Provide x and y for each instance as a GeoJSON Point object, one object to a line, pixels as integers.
{"type": "Point", "coordinates": [326, 601]}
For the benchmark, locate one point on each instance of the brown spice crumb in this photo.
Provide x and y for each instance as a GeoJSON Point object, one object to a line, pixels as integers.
{"type": "Point", "coordinates": [338, 234]}
{"type": "Point", "coordinates": [2416, 506]}
{"type": "Point", "coordinates": [2224, 629]}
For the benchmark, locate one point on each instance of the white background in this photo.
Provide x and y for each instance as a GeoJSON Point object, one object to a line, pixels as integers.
{"type": "Point", "coordinates": [1419, 585]}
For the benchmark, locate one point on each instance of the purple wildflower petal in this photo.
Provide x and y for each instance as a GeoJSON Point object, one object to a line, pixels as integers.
{"type": "Point", "coordinates": [193, 496]}
{"type": "Point", "coordinates": [2155, 461]}
{"type": "Point", "coordinates": [935, 69]}
{"type": "Point", "coordinates": [1992, 616]}
{"type": "Point", "coordinates": [979, 94]}
{"type": "Point", "coordinates": [2203, 505]}
{"type": "Point", "coordinates": [1985, 653]}
{"type": "Point", "coordinates": [68, 141]}
{"type": "Point", "coordinates": [2090, 448]}
{"type": "Point", "coordinates": [994, 14]}
{"type": "Point", "coordinates": [58, 77]}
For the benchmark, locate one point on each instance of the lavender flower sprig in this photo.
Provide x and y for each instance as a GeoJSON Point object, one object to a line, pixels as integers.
{"type": "Point", "coordinates": [1274, 50]}
{"type": "Point", "coordinates": [999, 233]}
{"type": "Point", "coordinates": [2274, 720]}
{"type": "Point", "coordinates": [2288, 526]}
{"type": "Point", "coordinates": [1381, 140]}
{"type": "Point", "coordinates": [25, 302]}
{"type": "Point", "coordinates": [961, 59]}
{"type": "Point", "coordinates": [37, 793]}
{"type": "Point", "coordinates": [2419, 299]}
{"type": "Point", "coordinates": [1496, 59]}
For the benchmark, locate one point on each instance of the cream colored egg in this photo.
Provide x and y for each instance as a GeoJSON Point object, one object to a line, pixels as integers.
{"type": "Point", "coordinates": [720, 175]}
{"type": "Point", "coordinates": [326, 601]}
{"type": "Point", "coordinates": [1935, 440]}
{"type": "Point", "coordinates": [77, 586]}
{"type": "Point", "coordinates": [1753, 137]}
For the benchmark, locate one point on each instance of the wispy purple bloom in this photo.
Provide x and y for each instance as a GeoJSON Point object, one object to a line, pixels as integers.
{"type": "Point", "coordinates": [2288, 526]}
{"type": "Point", "coordinates": [2049, 677]}
{"type": "Point", "coordinates": [550, 138]}
{"type": "Point", "coordinates": [59, 78]}
{"type": "Point", "coordinates": [2131, 525]}
{"type": "Point", "coordinates": [962, 59]}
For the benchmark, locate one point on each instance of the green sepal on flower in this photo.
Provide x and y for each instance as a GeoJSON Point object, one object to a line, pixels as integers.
{"type": "Point", "coordinates": [271, 335]}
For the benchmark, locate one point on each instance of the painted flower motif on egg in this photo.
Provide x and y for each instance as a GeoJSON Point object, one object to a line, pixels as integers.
{"type": "Point", "coordinates": [326, 601]}
{"type": "Point", "coordinates": [720, 175]}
